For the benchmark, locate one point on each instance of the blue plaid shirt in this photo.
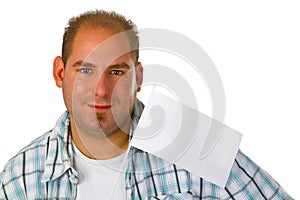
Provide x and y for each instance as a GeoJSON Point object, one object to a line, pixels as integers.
{"type": "Point", "coordinates": [44, 170]}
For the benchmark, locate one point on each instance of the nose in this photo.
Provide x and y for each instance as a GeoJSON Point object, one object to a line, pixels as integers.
{"type": "Point", "coordinates": [102, 87]}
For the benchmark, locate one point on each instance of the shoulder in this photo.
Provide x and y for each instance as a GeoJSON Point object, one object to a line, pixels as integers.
{"type": "Point", "coordinates": [33, 153]}
{"type": "Point", "coordinates": [38, 143]}
{"type": "Point", "coordinates": [36, 151]}
{"type": "Point", "coordinates": [247, 179]}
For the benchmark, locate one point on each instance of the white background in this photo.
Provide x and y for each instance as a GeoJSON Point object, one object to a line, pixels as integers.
{"type": "Point", "coordinates": [255, 46]}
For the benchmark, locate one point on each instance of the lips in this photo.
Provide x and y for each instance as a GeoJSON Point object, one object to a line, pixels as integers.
{"type": "Point", "coordinates": [100, 107]}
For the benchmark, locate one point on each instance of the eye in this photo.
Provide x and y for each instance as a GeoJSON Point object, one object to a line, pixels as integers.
{"type": "Point", "coordinates": [85, 70]}
{"type": "Point", "coordinates": [116, 72]}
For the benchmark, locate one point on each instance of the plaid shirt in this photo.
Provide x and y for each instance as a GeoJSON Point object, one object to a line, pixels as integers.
{"type": "Point", "coordinates": [44, 170]}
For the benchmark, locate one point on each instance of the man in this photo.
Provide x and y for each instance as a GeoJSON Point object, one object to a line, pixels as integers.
{"type": "Point", "coordinates": [86, 155]}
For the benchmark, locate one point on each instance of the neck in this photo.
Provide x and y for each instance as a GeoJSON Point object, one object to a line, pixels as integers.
{"type": "Point", "coordinates": [100, 148]}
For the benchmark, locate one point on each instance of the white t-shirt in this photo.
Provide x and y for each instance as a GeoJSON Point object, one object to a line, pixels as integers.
{"type": "Point", "coordinates": [99, 179]}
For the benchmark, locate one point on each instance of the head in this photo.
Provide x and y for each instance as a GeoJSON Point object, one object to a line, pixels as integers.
{"type": "Point", "coordinates": [100, 19]}
{"type": "Point", "coordinates": [99, 72]}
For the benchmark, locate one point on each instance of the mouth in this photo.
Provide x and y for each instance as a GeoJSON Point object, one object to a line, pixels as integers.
{"type": "Point", "coordinates": [98, 108]}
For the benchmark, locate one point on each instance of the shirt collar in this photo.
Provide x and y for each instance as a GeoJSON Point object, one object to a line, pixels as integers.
{"type": "Point", "coordinates": [137, 112]}
{"type": "Point", "coordinates": [60, 154]}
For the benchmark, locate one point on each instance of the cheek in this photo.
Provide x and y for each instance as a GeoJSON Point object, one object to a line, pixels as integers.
{"type": "Point", "coordinates": [80, 88]}
{"type": "Point", "coordinates": [72, 89]}
{"type": "Point", "coordinates": [123, 89]}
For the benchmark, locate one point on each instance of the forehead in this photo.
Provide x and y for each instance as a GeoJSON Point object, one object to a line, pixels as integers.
{"type": "Point", "coordinates": [100, 45]}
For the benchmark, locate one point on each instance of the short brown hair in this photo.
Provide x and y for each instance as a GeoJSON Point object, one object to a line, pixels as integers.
{"type": "Point", "coordinates": [100, 19]}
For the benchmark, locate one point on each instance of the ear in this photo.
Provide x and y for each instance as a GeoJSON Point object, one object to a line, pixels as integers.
{"type": "Point", "coordinates": [139, 76]}
{"type": "Point", "coordinates": [58, 71]}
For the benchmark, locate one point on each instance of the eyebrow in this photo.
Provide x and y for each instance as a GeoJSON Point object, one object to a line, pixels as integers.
{"type": "Point", "coordinates": [120, 65]}
{"type": "Point", "coordinates": [82, 63]}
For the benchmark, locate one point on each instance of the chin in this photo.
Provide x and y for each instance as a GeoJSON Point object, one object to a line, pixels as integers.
{"type": "Point", "coordinates": [109, 131]}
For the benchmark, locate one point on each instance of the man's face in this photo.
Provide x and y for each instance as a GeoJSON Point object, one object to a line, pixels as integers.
{"type": "Point", "coordinates": [99, 82]}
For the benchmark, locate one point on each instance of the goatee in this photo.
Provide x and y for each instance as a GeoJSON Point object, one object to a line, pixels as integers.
{"type": "Point", "coordinates": [100, 116]}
